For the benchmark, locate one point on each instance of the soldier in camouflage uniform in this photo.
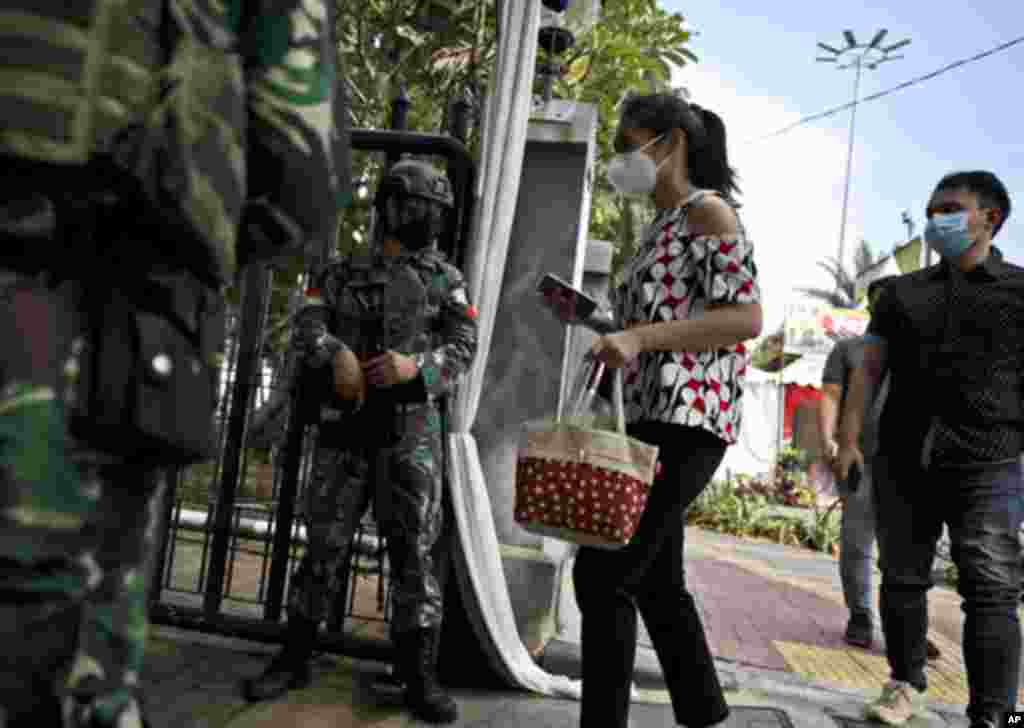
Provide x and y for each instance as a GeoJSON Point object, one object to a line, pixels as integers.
{"type": "Point", "coordinates": [404, 313]}
{"type": "Point", "coordinates": [147, 149]}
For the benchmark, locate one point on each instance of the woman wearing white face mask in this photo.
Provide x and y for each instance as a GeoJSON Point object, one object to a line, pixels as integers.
{"type": "Point", "coordinates": [689, 299]}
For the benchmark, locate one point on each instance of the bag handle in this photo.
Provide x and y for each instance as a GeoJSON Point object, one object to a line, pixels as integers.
{"type": "Point", "coordinates": [580, 386]}
{"type": "Point", "coordinates": [618, 402]}
{"type": "Point", "coordinates": [585, 389]}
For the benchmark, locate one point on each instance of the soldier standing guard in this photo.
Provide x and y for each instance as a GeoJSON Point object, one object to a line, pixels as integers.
{"type": "Point", "coordinates": [399, 330]}
{"type": "Point", "coordinates": [147, 148]}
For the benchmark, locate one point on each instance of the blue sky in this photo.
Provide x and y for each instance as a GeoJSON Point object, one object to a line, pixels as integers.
{"type": "Point", "coordinates": [757, 69]}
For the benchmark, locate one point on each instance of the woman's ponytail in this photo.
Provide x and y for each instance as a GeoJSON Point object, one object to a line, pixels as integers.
{"type": "Point", "coordinates": [707, 159]}
{"type": "Point", "coordinates": [706, 162]}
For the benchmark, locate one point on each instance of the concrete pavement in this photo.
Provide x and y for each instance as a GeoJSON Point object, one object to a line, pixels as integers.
{"type": "Point", "coordinates": [774, 616]}
{"type": "Point", "coordinates": [191, 682]}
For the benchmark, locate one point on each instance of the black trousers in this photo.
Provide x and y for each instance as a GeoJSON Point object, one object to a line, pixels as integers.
{"type": "Point", "coordinates": [983, 509]}
{"type": "Point", "coordinates": [648, 575]}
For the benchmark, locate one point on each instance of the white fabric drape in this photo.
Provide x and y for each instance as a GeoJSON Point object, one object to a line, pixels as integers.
{"type": "Point", "coordinates": [477, 558]}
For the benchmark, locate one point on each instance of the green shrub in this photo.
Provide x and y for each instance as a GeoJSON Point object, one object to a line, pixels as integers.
{"type": "Point", "coordinates": [721, 508]}
{"type": "Point", "coordinates": [783, 530]}
{"type": "Point", "coordinates": [734, 509]}
{"type": "Point", "coordinates": [952, 576]}
{"type": "Point", "coordinates": [198, 482]}
{"type": "Point", "coordinates": [821, 533]}
{"type": "Point", "coordinates": [194, 484]}
{"type": "Point", "coordinates": [785, 485]}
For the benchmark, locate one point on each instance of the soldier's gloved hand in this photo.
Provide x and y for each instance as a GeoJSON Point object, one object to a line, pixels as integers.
{"type": "Point", "coordinates": [389, 369]}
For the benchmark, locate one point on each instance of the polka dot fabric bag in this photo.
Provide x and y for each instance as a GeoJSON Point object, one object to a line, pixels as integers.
{"type": "Point", "coordinates": [579, 482]}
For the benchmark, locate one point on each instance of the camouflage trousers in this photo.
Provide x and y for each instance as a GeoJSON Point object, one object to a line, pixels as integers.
{"type": "Point", "coordinates": [78, 534]}
{"type": "Point", "coordinates": [98, 632]}
{"type": "Point", "coordinates": [406, 483]}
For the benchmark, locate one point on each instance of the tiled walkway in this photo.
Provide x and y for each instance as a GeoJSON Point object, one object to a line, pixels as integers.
{"type": "Point", "coordinates": [775, 607]}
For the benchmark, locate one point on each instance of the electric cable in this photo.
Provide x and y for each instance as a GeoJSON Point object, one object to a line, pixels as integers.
{"type": "Point", "coordinates": [894, 89]}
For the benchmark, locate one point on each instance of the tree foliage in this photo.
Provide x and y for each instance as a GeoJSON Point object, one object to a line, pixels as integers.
{"type": "Point", "coordinates": [437, 52]}
{"type": "Point", "coordinates": [768, 354]}
{"type": "Point", "coordinates": [844, 295]}
{"type": "Point", "coordinates": [635, 46]}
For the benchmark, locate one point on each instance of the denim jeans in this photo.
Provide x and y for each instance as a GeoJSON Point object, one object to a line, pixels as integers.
{"type": "Point", "coordinates": [856, 542]}
{"type": "Point", "coordinates": [982, 508]}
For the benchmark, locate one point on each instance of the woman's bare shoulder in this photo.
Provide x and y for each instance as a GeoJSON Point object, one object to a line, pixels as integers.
{"type": "Point", "coordinates": [712, 216]}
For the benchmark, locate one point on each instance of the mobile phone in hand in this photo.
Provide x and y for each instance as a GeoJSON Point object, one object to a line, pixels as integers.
{"type": "Point", "coordinates": [552, 288]}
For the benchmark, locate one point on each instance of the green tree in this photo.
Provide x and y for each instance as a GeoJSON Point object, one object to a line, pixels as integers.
{"type": "Point", "coordinates": [434, 49]}
{"type": "Point", "coordinates": [844, 295]}
{"type": "Point", "coordinates": [635, 46]}
{"type": "Point", "coordinates": [440, 51]}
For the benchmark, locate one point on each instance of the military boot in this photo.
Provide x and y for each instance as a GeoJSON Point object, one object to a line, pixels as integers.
{"type": "Point", "coordinates": [290, 668]}
{"type": "Point", "coordinates": [88, 705]}
{"type": "Point", "coordinates": [417, 659]}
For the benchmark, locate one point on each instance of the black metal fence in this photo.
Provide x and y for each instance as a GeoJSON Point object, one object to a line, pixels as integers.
{"type": "Point", "coordinates": [192, 553]}
{"type": "Point", "coordinates": [231, 539]}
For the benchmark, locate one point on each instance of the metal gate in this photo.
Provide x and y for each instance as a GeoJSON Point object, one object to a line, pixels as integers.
{"type": "Point", "coordinates": [231, 541]}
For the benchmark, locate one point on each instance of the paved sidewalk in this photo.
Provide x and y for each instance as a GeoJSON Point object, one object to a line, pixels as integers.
{"type": "Point", "coordinates": [191, 682]}
{"type": "Point", "coordinates": [774, 616]}
{"type": "Point", "coordinates": [778, 607]}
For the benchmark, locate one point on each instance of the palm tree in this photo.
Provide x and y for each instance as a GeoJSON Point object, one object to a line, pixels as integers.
{"type": "Point", "coordinates": [844, 295]}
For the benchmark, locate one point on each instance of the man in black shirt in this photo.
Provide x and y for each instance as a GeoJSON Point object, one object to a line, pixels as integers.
{"type": "Point", "coordinates": [951, 337]}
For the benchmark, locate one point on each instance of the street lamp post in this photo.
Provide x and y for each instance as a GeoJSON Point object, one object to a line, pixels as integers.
{"type": "Point", "coordinates": [857, 56]}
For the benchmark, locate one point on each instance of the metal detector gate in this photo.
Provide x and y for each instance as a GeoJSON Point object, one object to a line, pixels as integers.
{"type": "Point", "coordinates": [230, 540]}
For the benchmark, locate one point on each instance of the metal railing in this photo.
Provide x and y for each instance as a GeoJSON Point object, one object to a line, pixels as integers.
{"type": "Point", "coordinates": [191, 551]}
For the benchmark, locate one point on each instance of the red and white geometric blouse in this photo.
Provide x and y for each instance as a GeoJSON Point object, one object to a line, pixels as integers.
{"type": "Point", "coordinates": [674, 276]}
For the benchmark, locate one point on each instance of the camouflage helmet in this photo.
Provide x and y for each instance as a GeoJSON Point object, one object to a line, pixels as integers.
{"type": "Point", "coordinates": [412, 178]}
{"type": "Point", "coordinates": [411, 203]}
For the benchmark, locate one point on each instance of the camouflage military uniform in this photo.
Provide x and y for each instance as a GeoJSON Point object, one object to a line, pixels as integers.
{"type": "Point", "coordinates": [169, 140]}
{"type": "Point", "coordinates": [390, 451]}
{"type": "Point", "coordinates": [392, 448]}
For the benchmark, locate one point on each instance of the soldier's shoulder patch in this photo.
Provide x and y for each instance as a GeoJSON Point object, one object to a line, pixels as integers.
{"type": "Point", "coordinates": [461, 299]}
{"type": "Point", "coordinates": [313, 296]}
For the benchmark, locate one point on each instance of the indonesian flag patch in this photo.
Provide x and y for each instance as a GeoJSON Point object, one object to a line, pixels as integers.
{"type": "Point", "coordinates": [313, 297]}
{"type": "Point", "coordinates": [459, 296]}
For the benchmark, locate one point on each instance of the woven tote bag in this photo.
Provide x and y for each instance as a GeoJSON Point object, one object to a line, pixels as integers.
{"type": "Point", "coordinates": [577, 482]}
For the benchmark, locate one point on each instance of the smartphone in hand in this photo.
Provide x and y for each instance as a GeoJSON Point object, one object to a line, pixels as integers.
{"type": "Point", "coordinates": [572, 305]}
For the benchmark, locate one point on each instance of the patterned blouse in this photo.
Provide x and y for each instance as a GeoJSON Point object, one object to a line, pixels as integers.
{"type": "Point", "coordinates": [676, 275]}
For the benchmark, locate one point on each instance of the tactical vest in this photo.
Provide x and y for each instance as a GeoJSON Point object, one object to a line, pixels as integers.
{"type": "Point", "coordinates": [376, 305]}
{"type": "Point", "coordinates": [146, 97]}
{"type": "Point", "coordinates": [386, 307]}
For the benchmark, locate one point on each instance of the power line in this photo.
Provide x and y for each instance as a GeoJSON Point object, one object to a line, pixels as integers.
{"type": "Point", "coordinates": [894, 89]}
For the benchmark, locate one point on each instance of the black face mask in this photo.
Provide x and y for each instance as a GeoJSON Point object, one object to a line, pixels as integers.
{"type": "Point", "coordinates": [414, 221]}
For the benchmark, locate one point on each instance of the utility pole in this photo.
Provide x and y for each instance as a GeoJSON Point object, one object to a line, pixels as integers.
{"type": "Point", "coordinates": [857, 56]}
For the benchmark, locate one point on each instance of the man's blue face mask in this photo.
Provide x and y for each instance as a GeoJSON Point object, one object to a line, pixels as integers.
{"type": "Point", "coordinates": [948, 234]}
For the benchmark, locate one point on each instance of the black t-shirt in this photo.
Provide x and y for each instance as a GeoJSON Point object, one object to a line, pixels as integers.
{"type": "Point", "coordinates": [955, 347]}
